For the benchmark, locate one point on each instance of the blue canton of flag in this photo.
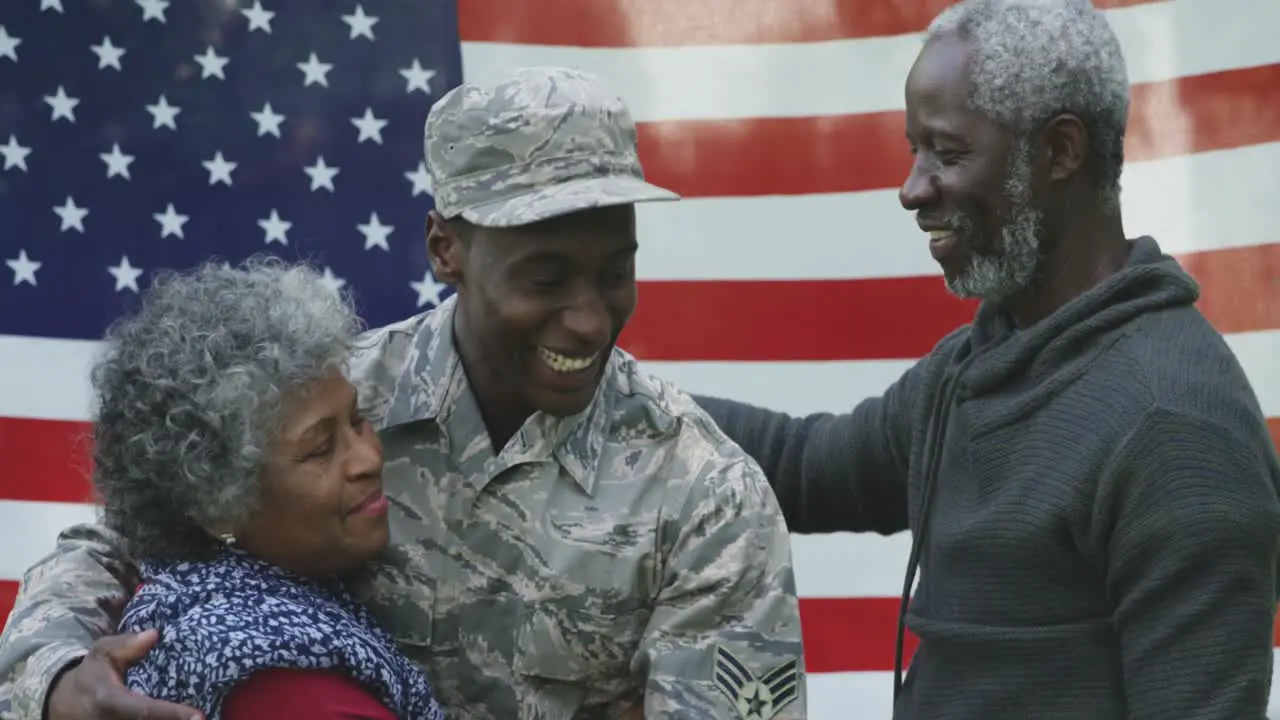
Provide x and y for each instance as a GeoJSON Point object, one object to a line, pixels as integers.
{"type": "Point", "coordinates": [137, 135]}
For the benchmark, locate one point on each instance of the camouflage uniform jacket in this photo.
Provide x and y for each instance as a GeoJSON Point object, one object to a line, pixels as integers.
{"type": "Point", "coordinates": [630, 552]}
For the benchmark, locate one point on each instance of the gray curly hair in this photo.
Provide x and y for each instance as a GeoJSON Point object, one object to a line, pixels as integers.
{"type": "Point", "coordinates": [188, 394]}
{"type": "Point", "coordinates": [1034, 59]}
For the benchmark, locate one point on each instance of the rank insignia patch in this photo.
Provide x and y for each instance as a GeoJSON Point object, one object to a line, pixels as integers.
{"type": "Point", "coordinates": [756, 698]}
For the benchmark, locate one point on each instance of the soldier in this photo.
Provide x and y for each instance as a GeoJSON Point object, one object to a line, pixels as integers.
{"type": "Point", "coordinates": [570, 537]}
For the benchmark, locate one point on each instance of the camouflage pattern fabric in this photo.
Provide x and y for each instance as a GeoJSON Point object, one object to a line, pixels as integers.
{"type": "Point", "coordinates": [66, 601]}
{"type": "Point", "coordinates": [631, 552]}
{"type": "Point", "coordinates": [539, 143]}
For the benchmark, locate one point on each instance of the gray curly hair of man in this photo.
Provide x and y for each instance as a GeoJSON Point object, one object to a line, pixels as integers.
{"type": "Point", "coordinates": [1035, 59]}
{"type": "Point", "coordinates": [189, 392]}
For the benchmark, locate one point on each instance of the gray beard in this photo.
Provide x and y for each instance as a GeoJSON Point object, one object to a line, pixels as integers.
{"type": "Point", "coordinates": [1011, 267]}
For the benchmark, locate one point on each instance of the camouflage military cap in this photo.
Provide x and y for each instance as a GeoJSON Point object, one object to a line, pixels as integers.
{"type": "Point", "coordinates": [535, 144]}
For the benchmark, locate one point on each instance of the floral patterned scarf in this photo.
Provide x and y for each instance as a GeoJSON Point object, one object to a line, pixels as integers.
{"type": "Point", "coordinates": [223, 620]}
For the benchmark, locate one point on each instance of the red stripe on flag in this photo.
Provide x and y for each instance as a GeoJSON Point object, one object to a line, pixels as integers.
{"type": "Point", "coordinates": [840, 634]}
{"type": "Point", "coordinates": [860, 634]}
{"type": "Point", "coordinates": [1240, 287]}
{"type": "Point", "coordinates": [851, 634]}
{"type": "Point", "coordinates": [885, 318]}
{"type": "Point", "coordinates": [45, 460]}
{"type": "Point", "coordinates": [793, 320]}
{"type": "Point", "coordinates": [850, 153]}
{"type": "Point", "coordinates": [65, 440]}
{"type": "Point", "coordinates": [632, 23]}
{"type": "Point", "coordinates": [8, 593]}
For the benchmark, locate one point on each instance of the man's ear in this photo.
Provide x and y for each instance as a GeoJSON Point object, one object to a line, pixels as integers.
{"type": "Point", "coordinates": [446, 250]}
{"type": "Point", "coordinates": [1066, 141]}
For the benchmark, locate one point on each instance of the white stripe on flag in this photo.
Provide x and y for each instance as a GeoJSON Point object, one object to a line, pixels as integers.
{"type": "Point", "coordinates": [1161, 41]}
{"type": "Point", "coordinates": [1188, 203]}
{"type": "Point", "coordinates": [45, 378]}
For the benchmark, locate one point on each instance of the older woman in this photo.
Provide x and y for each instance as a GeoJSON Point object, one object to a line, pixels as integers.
{"type": "Point", "coordinates": [231, 456]}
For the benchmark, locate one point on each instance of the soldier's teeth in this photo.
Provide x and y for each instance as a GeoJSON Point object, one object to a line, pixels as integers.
{"type": "Point", "coordinates": [564, 363]}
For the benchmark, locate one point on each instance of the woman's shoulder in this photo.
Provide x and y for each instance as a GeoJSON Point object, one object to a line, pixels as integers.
{"type": "Point", "coordinates": [218, 625]}
{"type": "Point", "coordinates": [184, 593]}
{"type": "Point", "coordinates": [222, 627]}
{"type": "Point", "coordinates": [232, 606]}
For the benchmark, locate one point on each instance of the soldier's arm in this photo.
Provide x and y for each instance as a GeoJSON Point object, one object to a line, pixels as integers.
{"type": "Point", "coordinates": [64, 604]}
{"type": "Point", "coordinates": [724, 635]}
{"type": "Point", "coordinates": [832, 472]}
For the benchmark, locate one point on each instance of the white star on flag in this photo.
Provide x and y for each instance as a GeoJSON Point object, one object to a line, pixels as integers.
{"type": "Point", "coordinates": [268, 120]}
{"type": "Point", "coordinates": [163, 114]}
{"type": "Point", "coordinates": [331, 281]}
{"type": "Point", "coordinates": [212, 64]}
{"type": "Point", "coordinates": [15, 155]}
{"type": "Point", "coordinates": [321, 175]}
{"type": "Point", "coordinates": [370, 127]}
{"type": "Point", "coordinates": [9, 44]}
{"type": "Point", "coordinates": [219, 169]}
{"type": "Point", "coordinates": [24, 268]}
{"type": "Point", "coordinates": [108, 55]}
{"type": "Point", "coordinates": [71, 215]}
{"type": "Point", "coordinates": [171, 222]}
{"type": "Point", "coordinates": [315, 71]}
{"type": "Point", "coordinates": [274, 228]}
{"type": "Point", "coordinates": [428, 289]}
{"type": "Point", "coordinates": [259, 19]}
{"type": "Point", "coordinates": [117, 162]}
{"type": "Point", "coordinates": [360, 23]}
{"type": "Point", "coordinates": [63, 106]}
{"type": "Point", "coordinates": [417, 77]}
{"type": "Point", "coordinates": [153, 9]}
{"type": "Point", "coordinates": [421, 179]}
{"type": "Point", "coordinates": [125, 274]}
{"type": "Point", "coordinates": [375, 233]}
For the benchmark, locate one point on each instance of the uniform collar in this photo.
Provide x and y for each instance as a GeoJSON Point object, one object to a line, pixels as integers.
{"type": "Point", "coordinates": [432, 385]}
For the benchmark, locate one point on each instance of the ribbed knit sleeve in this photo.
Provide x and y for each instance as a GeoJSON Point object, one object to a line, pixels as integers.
{"type": "Point", "coordinates": [1190, 525]}
{"type": "Point", "coordinates": [831, 472]}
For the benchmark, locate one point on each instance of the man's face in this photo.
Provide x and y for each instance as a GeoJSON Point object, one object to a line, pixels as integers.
{"type": "Point", "coordinates": [545, 303]}
{"type": "Point", "coordinates": [970, 184]}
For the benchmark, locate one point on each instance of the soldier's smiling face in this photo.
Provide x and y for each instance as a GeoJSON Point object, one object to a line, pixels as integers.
{"type": "Point", "coordinates": [541, 306]}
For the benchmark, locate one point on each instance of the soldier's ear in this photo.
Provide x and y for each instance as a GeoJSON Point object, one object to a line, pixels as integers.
{"type": "Point", "coordinates": [447, 249]}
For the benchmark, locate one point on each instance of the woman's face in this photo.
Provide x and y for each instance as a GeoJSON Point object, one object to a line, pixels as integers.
{"type": "Point", "coordinates": [321, 510]}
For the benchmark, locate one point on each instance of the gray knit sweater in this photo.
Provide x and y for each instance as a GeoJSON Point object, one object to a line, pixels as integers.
{"type": "Point", "coordinates": [1103, 528]}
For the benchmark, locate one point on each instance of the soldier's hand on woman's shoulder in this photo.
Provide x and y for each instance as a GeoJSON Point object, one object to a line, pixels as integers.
{"type": "Point", "coordinates": [95, 690]}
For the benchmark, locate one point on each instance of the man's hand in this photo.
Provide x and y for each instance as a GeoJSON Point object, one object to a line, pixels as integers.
{"type": "Point", "coordinates": [95, 688]}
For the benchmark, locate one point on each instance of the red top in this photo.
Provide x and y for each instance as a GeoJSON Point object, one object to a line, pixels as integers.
{"type": "Point", "coordinates": [288, 694]}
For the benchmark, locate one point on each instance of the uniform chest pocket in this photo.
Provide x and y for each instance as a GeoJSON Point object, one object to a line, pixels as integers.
{"type": "Point", "coordinates": [565, 643]}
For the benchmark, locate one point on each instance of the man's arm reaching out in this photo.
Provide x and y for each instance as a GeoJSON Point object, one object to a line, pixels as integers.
{"type": "Point", "coordinates": [61, 630]}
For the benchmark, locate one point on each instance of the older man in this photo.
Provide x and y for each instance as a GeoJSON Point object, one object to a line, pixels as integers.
{"type": "Point", "coordinates": [570, 537]}
{"type": "Point", "coordinates": [1085, 470]}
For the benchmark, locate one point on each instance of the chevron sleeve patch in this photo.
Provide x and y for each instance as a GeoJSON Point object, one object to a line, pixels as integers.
{"type": "Point", "coordinates": [755, 697]}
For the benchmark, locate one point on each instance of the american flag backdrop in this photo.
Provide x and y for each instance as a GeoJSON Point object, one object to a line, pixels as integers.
{"type": "Point", "coordinates": [140, 134]}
